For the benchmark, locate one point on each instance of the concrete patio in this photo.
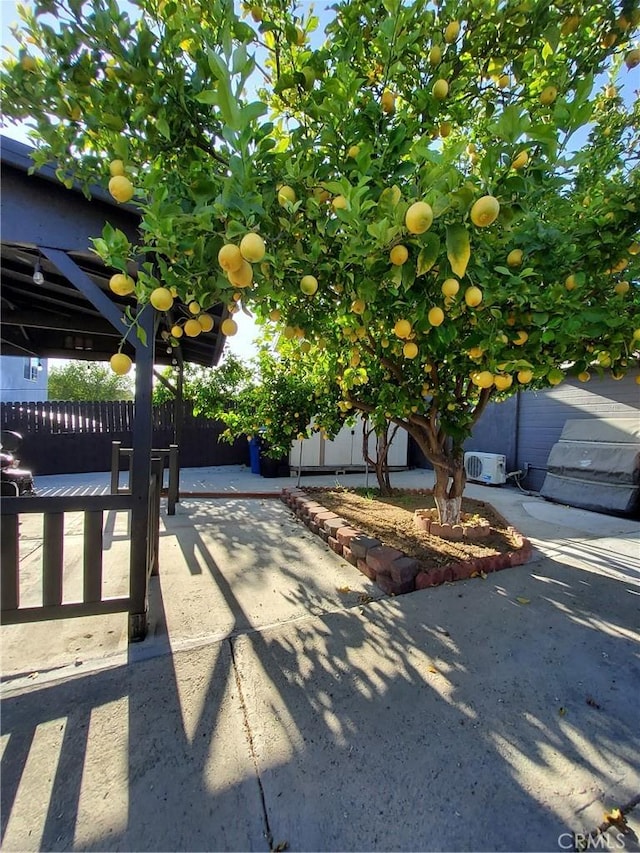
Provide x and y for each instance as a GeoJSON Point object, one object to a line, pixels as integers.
{"type": "Point", "coordinates": [275, 703]}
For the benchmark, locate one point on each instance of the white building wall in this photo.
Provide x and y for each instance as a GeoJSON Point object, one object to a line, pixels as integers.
{"type": "Point", "coordinates": [23, 379]}
{"type": "Point", "coordinates": [345, 449]}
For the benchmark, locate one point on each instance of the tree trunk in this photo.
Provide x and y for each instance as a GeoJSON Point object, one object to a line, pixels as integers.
{"type": "Point", "coordinates": [448, 489]}
{"type": "Point", "coordinates": [379, 464]}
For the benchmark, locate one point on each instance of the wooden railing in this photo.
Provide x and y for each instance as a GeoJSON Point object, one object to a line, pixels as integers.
{"type": "Point", "coordinates": [54, 562]}
{"type": "Point", "coordinates": [53, 510]}
{"type": "Point", "coordinates": [167, 456]}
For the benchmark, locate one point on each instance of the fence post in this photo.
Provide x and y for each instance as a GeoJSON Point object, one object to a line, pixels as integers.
{"type": "Point", "coordinates": [173, 493]}
{"type": "Point", "coordinates": [115, 466]}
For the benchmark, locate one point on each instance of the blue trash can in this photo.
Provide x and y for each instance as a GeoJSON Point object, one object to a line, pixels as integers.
{"type": "Point", "coordinates": [254, 455]}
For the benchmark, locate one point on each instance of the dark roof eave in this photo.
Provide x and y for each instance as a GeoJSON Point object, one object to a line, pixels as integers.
{"type": "Point", "coordinates": [19, 156]}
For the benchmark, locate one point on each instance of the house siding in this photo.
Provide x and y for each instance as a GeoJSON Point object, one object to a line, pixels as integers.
{"type": "Point", "coordinates": [526, 426]}
{"type": "Point", "coordinates": [15, 387]}
{"type": "Point", "coordinates": [543, 415]}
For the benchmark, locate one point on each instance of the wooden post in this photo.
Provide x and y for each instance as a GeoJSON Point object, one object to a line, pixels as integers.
{"type": "Point", "coordinates": [174, 475]}
{"type": "Point", "coordinates": [115, 466]}
{"type": "Point", "coordinates": [140, 479]}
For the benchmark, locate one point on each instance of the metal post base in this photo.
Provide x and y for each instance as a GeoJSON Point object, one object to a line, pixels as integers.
{"type": "Point", "coordinates": [138, 627]}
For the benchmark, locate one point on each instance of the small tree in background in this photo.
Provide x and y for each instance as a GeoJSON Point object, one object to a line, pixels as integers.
{"type": "Point", "coordinates": [87, 381]}
{"type": "Point", "coordinates": [211, 391]}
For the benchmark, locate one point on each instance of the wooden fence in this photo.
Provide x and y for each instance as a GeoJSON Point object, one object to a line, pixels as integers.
{"type": "Point", "coordinates": [71, 437]}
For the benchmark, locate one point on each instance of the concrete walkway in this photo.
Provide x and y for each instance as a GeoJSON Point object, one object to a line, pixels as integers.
{"type": "Point", "coordinates": [275, 703]}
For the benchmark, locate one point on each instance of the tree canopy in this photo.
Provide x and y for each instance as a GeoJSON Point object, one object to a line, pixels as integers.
{"type": "Point", "coordinates": [446, 194]}
{"type": "Point", "coordinates": [87, 380]}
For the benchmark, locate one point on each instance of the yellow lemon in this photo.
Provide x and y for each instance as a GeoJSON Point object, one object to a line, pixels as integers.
{"type": "Point", "coordinates": [622, 287]}
{"type": "Point", "coordinates": [402, 328]}
{"type": "Point", "coordinates": [176, 331]}
{"type": "Point", "coordinates": [502, 381]}
{"type": "Point", "coordinates": [192, 328]}
{"type": "Point", "coordinates": [206, 322]}
{"type": "Point", "coordinates": [353, 151]}
{"type": "Point", "coordinates": [452, 32]}
{"type": "Point", "coordinates": [161, 299]}
{"type": "Point", "coordinates": [275, 315]}
{"type": "Point", "coordinates": [358, 306]}
{"type": "Point", "coordinates": [584, 376]}
{"type": "Point", "coordinates": [525, 376]}
{"type": "Point", "coordinates": [252, 248]}
{"type": "Point", "coordinates": [450, 287]}
{"type": "Point", "coordinates": [485, 211]}
{"type": "Point", "coordinates": [121, 189]}
{"type": "Point", "coordinates": [521, 339]}
{"type": "Point", "coordinates": [339, 203]}
{"type": "Point", "coordinates": [286, 195]}
{"type": "Point", "coordinates": [570, 282]}
{"type": "Point", "coordinates": [473, 296]}
{"type": "Point", "coordinates": [388, 101]}
{"type": "Point", "coordinates": [514, 258]}
{"type": "Point", "coordinates": [435, 316]}
{"type": "Point", "coordinates": [440, 90]}
{"type": "Point", "coordinates": [228, 327]}
{"type": "Point", "coordinates": [308, 284]}
{"type": "Point", "coordinates": [399, 255]}
{"type": "Point", "coordinates": [520, 160]}
{"type": "Point", "coordinates": [230, 257]}
{"type": "Point", "coordinates": [484, 379]}
{"type": "Point", "coordinates": [116, 168]}
{"type": "Point", "coordinates": [419, 217]}
{"type": "Point", "coordinates": [435, 55]}
{"type": "Point", "coordinates": [243, 276]}
{"type": "Point", "coordinates": [121, 284]}
{"type": "Point", "coordinates": [410, 350]}
{"type": "Point", "coordinates": [120, 363]}
{"type": "Point", "coordinates": [548, 95]}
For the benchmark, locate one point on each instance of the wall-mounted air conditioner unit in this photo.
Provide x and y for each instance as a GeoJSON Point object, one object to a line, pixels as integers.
{"type": "Point", "coordinates": [489, 468]}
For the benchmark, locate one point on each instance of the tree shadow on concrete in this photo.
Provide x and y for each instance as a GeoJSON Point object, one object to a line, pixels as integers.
{"type": "Point", "coordinates": [456, 718]}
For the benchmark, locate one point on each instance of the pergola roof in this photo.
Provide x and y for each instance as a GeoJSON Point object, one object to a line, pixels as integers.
{"type": "Point", "coordinates": [42, 220]}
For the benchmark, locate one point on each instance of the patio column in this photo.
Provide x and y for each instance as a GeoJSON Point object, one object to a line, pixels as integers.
{"type": "Point", "coordinates": [141, 533]}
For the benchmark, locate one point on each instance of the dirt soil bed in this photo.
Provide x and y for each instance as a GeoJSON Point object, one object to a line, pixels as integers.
{"type": "Point", "coordinates": [390, 519]}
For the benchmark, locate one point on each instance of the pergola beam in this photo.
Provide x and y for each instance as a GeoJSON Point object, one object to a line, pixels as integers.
{"type": "Point", "coordinates": [87, 287]}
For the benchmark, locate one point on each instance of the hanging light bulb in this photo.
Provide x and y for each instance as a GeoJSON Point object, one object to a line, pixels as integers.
{"type": "Point", "coordinates": [38, 277]}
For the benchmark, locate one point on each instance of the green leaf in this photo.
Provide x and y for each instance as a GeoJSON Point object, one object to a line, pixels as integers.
{"type": "Point", "coordinates": [239, 59]}
{"type": "Point", "coordinates": [428, 254]}
{"type": "Point", "coordinates": [458, 248]}
{"type": "Point", "coordinates": [142, 335]}
{"type": "Point", "coordinates": [252, 112]}
{"type": "Point", "coordinates": [208, 96]}
{"type": "Point", "coordinates": [163, 127]}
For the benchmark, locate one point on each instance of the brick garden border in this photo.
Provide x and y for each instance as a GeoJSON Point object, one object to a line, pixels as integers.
{"type": "Point", "coordinates": [392, 570]}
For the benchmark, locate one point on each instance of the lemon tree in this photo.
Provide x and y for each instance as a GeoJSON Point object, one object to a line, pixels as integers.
{"type": "Point", "coordinates": [415, 147]}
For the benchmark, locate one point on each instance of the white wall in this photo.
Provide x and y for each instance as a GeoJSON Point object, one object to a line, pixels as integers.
{"type": "Point", "coordinates": [345, 449]}
{"type": "Point", "coordinates": [16, 386]}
